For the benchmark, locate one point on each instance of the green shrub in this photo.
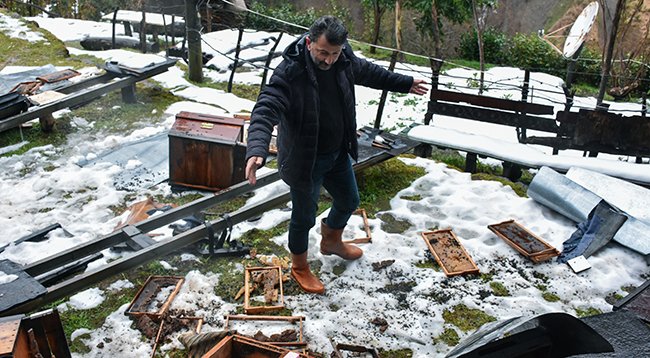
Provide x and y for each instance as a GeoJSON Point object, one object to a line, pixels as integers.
{"type": "Point", "coordinates": [531, 52]}
{"type": "Point", "coordinates": [494, 42]}
{"type": "Point", "coordinates": [289, 13]}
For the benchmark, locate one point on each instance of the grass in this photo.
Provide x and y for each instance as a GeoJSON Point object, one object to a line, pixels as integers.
{"type": "Point", "coordinates": [465, 318]}
{"type": "Point", "coordinates": [586, 312]}
{"type": "Point", "coordinates": [379, 183]}
{"type": "Point", "coordinates": [498, 289]}
{"type": "Point", "coordinates": [450, 337]}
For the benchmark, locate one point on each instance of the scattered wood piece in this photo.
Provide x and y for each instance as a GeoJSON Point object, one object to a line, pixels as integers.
{"type": "Point", "coordinates": [298, 342]}
{"type": "Point", "coordinates": [366, 227]}
{"type": "Point", "coordinates": [382, 323]}
{"type": "Point", "coordinates": [376, 266]}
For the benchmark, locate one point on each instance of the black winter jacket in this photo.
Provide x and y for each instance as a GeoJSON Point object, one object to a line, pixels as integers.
{"type": "Point", "coordinates": [291, 101]}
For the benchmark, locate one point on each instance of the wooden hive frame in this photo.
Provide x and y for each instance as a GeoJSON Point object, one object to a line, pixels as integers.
{"type": "Point", "coordinates": [291, 319]}
{"type": "Point", "coordinates": [536, 256]}
{"type": "Point", "coordinates": [248, 308]}
{"type": "Point", "coordinates": [366, 228]}
{"type": "Point", "coordinates": [148, 288]}
{"type": "Point", "coordinates": [449, 253]}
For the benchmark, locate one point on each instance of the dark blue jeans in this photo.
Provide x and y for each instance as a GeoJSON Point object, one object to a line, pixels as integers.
{"type": "Point", "coordinates": [334, 172]}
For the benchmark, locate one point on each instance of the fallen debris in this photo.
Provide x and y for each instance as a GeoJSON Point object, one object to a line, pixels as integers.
{"type": "Point", "coordinates": [376, 266]}
{"type": "Point", "coordinates": [352, 348]}
{"type": "Point", "coordinates": [382, 323]}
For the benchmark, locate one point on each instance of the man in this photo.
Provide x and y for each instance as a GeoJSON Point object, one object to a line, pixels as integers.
{"type": "Point", "coordinates": [311, 98]}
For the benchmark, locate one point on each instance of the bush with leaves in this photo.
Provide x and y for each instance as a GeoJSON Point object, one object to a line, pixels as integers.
{"type": "Point", "coordinates": [494, 42]}
{"type": "Point", "coordinates": [531, 52]}
{"type": "Point", "coordinates": [287, 12]}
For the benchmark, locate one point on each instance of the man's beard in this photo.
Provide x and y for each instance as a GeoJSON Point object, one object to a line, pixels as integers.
{"type": "Point", "coordinates": [321, 65]}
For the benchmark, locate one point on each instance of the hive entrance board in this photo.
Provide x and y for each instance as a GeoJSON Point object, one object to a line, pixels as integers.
{"type": "Point", "coordinates": [524, 241]}
{"type": "Point", "coordinates": [449, 252]}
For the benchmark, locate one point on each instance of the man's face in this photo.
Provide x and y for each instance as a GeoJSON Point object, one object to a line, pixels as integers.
{"type": "Point", "coordinates": [323, 53]}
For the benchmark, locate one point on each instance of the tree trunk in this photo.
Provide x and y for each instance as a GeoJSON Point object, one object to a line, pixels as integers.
{"type": "Point", "coordinates": [607, 65]}
{"type": "Point", "coordinates": [479, 37]}
{"type": "Point", "coordinates": [377, 26]}
{"type": "Point", "coordinates": [398, 26]}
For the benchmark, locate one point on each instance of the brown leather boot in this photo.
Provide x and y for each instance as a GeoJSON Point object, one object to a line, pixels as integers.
{"type": "Point", "coordinates": [302, 274]}
{"type": "Point", "coordinates": [331, 243]}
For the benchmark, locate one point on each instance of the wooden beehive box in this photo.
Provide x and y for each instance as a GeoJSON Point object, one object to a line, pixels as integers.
{"type": "Point", "coordinates": [40, 334]}
{"type": "Point", "coordinates": [206, 152]}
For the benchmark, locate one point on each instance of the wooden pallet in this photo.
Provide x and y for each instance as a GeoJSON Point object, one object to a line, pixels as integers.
{"type": "Point", "coordinates": [449, 253]}
{"type": "Point", "coordinates": [524, 241]}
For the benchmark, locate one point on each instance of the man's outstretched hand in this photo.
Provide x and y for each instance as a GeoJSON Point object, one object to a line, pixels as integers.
{"type": "Point", "coordinates": [251, 167]}
{"type": "Point", "coordinates": [418, 87]}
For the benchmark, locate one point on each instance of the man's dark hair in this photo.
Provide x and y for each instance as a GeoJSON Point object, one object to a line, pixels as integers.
{"type": "Point", "coordinates": [333, 29]}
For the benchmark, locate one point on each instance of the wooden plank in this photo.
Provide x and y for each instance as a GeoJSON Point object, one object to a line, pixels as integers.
{"type": "Point", "coordinates": [524, 241]}
{"type": "Point", "coordinates": [497, 117]}
{"type": "Point", "coordinates": [492, 102]}
{"type": "Point", "coordinates": [449, 252]}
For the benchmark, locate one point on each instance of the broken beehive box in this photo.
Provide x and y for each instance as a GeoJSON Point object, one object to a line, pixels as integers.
{"type": "Point", "coordinates": [155, 296]}
{"type": "Point", "coordinates": [39, 335]}
{"type": "Point", "coordinates": [265, 278]}
{"type": "Point", "coordinates": [449, 252]}
{"type": "Point", "coordinates": [524, 241]}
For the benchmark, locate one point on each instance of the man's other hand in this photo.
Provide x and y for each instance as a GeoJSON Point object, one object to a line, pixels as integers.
{"type": "Point", "coordinates": [251, 167]}
{"type": "Point", "coordinates": [418, 87]}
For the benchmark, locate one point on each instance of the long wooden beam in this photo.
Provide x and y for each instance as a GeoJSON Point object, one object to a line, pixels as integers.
{"type": "Point", "coordinates": [152, 223]}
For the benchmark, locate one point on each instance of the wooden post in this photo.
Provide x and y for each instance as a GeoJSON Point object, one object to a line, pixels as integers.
{"type": "Point", "coordinates": [114, 19]}
{"type": "Point", "coordinates": [267, 64]}
{"type": "Point", "coordinates": [127, 28]}
{"type": "Point", "coordinates": [162, 11]}
{"type": "Point", "coordinates": [424, 150]}
{"type": "Point", "coordinates": [128, 94]}
{"type": "Point", "coordinates": [143, 32]}
{"type": "Point", "coordinates": [521, 132]}
{"type": "Point", "coordinates": [384, 93]}
{"type": "Point", "coordinates": [234, 66]}
{"type": "Point", "coordinates": [195, 57]}
{"type": "Point", "coordinates": [173, 30]}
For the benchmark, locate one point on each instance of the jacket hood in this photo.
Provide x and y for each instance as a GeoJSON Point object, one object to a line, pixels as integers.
{"type": "Point", "coordinates": [296, 50]}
